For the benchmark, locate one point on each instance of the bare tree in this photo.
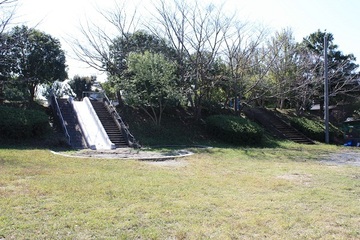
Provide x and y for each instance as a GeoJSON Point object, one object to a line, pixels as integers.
{"type": "Point", "coordinates": [296, 72]}
{"type": "Point", "coordinates": [342, 70]}
{"type": "Point", "coordinates": [283, 61]}
{"type": "Point", "coordinates": [196, 32]}
{"type": "Point", "coordinates": [242, 44]}
{"type": "Point", "coordinates": [93, 48]}
{"type": "Point", "coordinates": [288, 77]}
{"type": "Point", "coordinates": [7, 13]}
{"type": "Point", "coordinates": [203, 38]}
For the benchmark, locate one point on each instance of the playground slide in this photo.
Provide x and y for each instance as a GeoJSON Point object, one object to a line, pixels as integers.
{"type": "Point", "coordinates": [93, 131]}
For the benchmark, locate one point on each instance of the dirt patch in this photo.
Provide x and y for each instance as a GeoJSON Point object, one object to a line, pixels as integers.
{"type": "Point", "coordinates": [304, 179]}
{"type": "Point", "coordinates": [351, 158]}
{"type": "Point", "coordinates": [169, 163]}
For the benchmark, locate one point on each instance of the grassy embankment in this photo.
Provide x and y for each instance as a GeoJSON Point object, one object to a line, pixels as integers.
{"type": "Point", "coordinates": [219, 193]}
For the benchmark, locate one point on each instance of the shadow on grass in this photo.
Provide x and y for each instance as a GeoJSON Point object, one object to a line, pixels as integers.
{"type": "Point", "coordinates": [56, 143]}
{"type": "Point", "coordinates": [206, 144]}
{"type": "Point", "coordinates": [52, 141]}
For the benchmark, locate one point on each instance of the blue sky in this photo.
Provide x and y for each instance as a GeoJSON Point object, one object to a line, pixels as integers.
{"type": "Point", "coordinates": [339, 17]}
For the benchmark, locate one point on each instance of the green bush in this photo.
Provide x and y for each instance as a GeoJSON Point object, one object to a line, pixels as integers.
{"type": "Point", "coordinates": [16, 123]}
{"type": "Point", "coordinates": [314, 129]}
{"type": "Point", "coordinates": [235, 130]}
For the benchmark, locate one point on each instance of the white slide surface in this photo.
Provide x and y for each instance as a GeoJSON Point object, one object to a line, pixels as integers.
{"type": "Point", "coordinates": [94, 132]}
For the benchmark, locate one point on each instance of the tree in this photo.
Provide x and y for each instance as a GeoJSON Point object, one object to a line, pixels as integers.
{"type": "Point", "coordinates": [283, 61]}
{"type": "Point", "coordinates": [191, 33]}
{"type": "Point", "coordinates": [109, 89]}
{"type": "Point", "coordinates": [38, 57]}
{"type": "Point", "coordinates": [137, 42]}
{"type": "Point", "coordinates": [94, 48]}
{"type": "Point", "coordinates": [242, 43]}
{"type": "Point", "coordinates": [81, 84]}
{"type": "Point", "coordinates": [4, 65]}
{"type": "Point", "coordinates": [123, 46]}
{"type": "Point", "coordinates": [341, 68]}
{"type": "Point", "coordinates": [58, 89]}
{"type": "Point", "coordinates": [195, 32]}
{"type": "Point", "coordinates": [7, 10]}
{"type": "Point", "coordinates": [152, 85]}
{"type": "Point", "coordinates": [7, 13]}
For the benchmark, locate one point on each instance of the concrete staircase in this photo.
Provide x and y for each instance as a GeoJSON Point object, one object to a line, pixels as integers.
{"type": "Point", "coordinates": [109, 124]}
{"type": "Point", "coordinates": [72, 125]}
{"type": "Point", "coordinates": [276, 125]}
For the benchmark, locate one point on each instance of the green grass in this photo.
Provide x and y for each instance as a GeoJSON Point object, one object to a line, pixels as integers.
{"type": "Point", "coordinates": [219, 193]}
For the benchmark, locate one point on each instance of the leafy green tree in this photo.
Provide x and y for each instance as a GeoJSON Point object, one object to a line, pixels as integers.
{"type": "Point", "coordinates": [211, 77]}
{"type": "Point", "coordinates": [152, 84]}
{"type": "Point", "coordinates": [81, 84]}
{"type": "Point", "coordinates": [15, 91]}
{"type": "Point", "coordinates": [10, 88]}
{"type": "Point", "coordinates": [109, 89]}
{"type": "Point", "coordinates": [39, 58]}
{"type": "Point", "coordinates": [137, 42]}
{"type": "Point", "coordinates": [4, 66]}
{"type": "Point", "coordinates": [123, 46]}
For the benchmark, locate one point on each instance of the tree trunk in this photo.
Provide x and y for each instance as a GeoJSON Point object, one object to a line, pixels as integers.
{"type": "Point", "coordinates": [197, 107]}
{"type": "Point", "coordinates": [281, 103]}
{"type": "Point", "coordinates": [120, 100]}
{"type": "Point", "coordinates": [236, 107]}
{"type": "Point", "coordinates": [189, 97]}
{"type": "Point", "coordinates": [2, 94]}
{"type": "Point", "coordinates": [321, 113]}
{"type": "Point", "coordinates": [32, 89]}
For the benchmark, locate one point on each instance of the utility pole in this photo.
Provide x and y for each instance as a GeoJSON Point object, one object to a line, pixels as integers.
{"type": "Point", "coordinates": [326, 90]}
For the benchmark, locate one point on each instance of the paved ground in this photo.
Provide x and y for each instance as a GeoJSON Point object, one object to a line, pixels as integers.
{"type": "Point", "coordinates": [129, 153]}
{"type": "Point", "coordinates": [345, 157]}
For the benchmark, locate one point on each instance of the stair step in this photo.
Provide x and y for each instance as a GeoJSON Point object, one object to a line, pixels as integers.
{"type": "Point", "coordinates": [276, 125]}
{"type": "Point", "coordinates": [72, 125]}
{"type": "Point", "coordinates": [109, 124]}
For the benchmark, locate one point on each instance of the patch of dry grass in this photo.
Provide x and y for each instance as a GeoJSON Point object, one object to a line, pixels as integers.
{"type": "Point", "coordinates": [219, 193]}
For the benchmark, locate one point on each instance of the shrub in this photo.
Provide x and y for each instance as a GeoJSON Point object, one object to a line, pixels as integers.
{"type": "Point", "coordinates": [16, 123]}
{"type": "Point", "coordinates": [235, 130]}
{"type": "Point", "coordinates": [314, 129]}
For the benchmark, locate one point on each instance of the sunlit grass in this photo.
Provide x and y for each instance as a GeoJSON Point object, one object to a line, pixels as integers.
{"type": "Point", "coordinates": [219, 193]}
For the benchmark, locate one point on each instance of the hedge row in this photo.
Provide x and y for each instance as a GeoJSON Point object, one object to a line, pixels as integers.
{"type": "Point", "coordinates": [16, 123]}
{"type": "Point", "coordinates": [235, 130]}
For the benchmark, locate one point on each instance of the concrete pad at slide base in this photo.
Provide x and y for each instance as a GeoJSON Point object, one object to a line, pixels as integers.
{"type": "Point", "coordinates": [128, 153]}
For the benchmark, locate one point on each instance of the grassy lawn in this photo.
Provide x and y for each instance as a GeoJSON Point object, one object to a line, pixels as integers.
{"type": "Point", "coordinates": [219, 193]}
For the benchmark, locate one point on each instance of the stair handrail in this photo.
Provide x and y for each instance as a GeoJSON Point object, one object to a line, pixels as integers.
{"type": "Point", "coordinates": [128, 136]}
{"type": "Point", "coordinates": [59, 114]}
{"type": "Point", "coordinates": [130, 139]}
{"type": "Point", "coordinates": [112, 110]}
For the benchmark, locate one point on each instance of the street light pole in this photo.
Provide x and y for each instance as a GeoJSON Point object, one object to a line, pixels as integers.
{"type": "Point", "coordinates": [326, 90]}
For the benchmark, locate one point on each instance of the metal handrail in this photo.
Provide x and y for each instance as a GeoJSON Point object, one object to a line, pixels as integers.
{"type": "Point", "coordinates": [130, 138]}
{"type": "Point", "coordinates": [58, 112]}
